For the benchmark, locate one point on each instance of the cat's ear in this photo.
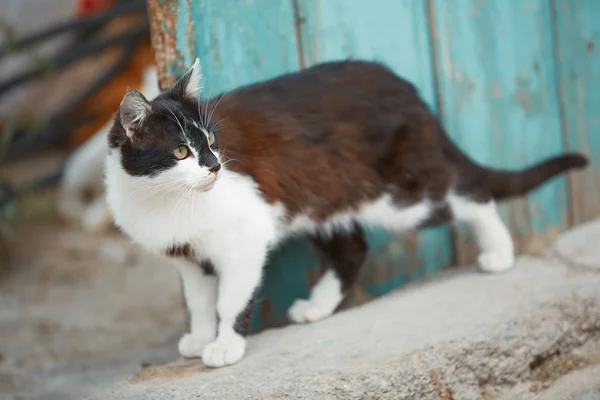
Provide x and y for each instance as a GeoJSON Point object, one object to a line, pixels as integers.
{"type": "Point", "coordinates": [133, 109]}
{"type": "Point", "coordinates": [190, 84]}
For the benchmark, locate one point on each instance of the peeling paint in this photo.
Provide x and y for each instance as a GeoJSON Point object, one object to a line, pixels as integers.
{"type": "Point", "coordinates": [590, 46]}
{"type": "Point", "coordinates": [163, 22]}
{"type": "Point", "coordinates": [496, 90]}
{"type": "Point", "coordinates": [523, 96]}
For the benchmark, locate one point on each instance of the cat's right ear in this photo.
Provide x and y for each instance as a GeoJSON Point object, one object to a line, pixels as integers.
{"type": "Point", "coordinates": [190, 84]}
{"type": "Point", "coordinates": [132, 111]}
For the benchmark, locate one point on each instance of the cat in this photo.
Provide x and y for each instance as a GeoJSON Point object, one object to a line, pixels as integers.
{"type": "Point", "coordinates": [324, 152]}
{"type": "Point", "coordinates": [83, 174]}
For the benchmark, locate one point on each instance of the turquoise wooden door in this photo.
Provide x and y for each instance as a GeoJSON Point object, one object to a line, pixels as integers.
{"type": "Point", "coordinates": [508, 78]}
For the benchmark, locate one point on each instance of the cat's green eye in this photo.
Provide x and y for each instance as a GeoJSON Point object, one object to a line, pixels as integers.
{"type": "Point", "coordinates": [211, 138]}
{"type": "Point", "coordinates": [181, 152]}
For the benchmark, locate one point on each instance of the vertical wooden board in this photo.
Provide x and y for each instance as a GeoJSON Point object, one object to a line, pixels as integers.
{"type": "Point", "coordinates": [499, 102]}
{"type": "Point", "coordinates": [578, 57]}
{"type": "Point", "coordinates": [238, 41]}
{"type": "Point", "coordinates": [394, 32]}
{"type": "Point", "coordinates": [242, 41]}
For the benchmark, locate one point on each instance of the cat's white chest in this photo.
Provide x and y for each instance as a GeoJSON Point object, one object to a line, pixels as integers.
{"type": "Point", "coordinates": [213, 222]}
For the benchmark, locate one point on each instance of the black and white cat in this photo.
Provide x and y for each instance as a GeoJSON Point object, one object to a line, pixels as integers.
{"type": "Point", "coordinates": [324, 152]}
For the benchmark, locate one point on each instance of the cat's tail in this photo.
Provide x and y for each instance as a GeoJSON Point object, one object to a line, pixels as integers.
{"type": "Point", "coordinates": [503, 184]}
{"type": "Point", "coordinates": [506, 184]}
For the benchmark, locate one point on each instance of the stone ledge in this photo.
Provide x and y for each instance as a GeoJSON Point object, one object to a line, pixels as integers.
{"type": "Point", "coordinates": [462, 336]}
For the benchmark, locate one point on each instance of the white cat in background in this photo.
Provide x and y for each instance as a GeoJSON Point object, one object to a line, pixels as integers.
{"type": "Point", "coordinates": [84, 173]}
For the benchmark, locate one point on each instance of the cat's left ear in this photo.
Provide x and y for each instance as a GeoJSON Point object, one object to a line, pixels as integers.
{"type": "Point", "coordinates": [190, 84]}
{"type": "Point", "coordinates": [132, 111]}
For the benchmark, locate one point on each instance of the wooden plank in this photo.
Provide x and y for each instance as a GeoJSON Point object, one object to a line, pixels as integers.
{"type": "Point", "coordinates": [578, 57]}
{"type": "Point", "coordinates": [241, 42]}
{"type": "Point", "coordinates": [238, 42]}
{"type": "Point", "coordinates": [499, 101]}
{"type": "Point", "coordinates": [396, 33]}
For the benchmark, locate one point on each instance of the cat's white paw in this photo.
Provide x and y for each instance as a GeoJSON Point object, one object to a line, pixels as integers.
{"type": "Point", "coordinates": [303, 311]}
{"type": "Point", "coordinates": [224, 351]}
{"type": "Point", "coordinates": [191, 345]}
{"type": "Point", "coordinates": [496, 261]}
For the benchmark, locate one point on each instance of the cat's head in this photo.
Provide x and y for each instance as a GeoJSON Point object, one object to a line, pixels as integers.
{"type": "Point", "coordinates": [167, 140]}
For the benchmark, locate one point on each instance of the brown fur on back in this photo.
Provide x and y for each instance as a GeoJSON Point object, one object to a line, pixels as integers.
{"type": "Point", "coordinates": [333, 137]}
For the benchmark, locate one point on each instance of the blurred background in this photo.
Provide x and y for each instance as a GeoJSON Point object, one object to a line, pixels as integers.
{"type": "Point", "coordinates": [513, 81]}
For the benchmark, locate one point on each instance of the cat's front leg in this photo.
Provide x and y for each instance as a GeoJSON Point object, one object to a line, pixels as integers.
{"type": "Point", "coordinates": [200, 291]}
{"type": "Point", "coordinates": [239, 279]}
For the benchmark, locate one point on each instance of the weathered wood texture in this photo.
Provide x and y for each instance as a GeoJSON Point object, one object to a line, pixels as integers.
{"type": "Point", "coordinates": [577, 33]}
{"type": "Point", "coordinates": [239, 42]}
{"type": "Point", "coordinates": [514, 81]}
{"type": "Point", "coordinates": [499, 100]}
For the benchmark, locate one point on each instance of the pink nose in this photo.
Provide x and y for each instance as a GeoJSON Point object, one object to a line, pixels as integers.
{"type": "Point", "coordinates": [215, 169]}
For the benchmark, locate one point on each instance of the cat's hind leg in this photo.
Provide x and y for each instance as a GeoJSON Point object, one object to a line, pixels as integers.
{"type": "Point", "coordinates": [491, 234]}
{"type": "Point", "coordinates": [343, 255]}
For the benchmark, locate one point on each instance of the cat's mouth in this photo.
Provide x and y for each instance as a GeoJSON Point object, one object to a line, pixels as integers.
{"type": "Point", "coordinates": [207, 184]}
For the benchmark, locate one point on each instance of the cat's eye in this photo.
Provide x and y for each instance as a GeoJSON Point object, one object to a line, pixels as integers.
{"type": "Point", "coordinates": [211, 138]}
{"type": "Point", "coordinates": [181, 152]}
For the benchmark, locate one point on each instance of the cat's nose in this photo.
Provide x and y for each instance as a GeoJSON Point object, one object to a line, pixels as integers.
{"type": "Point", "coordinates": [215, 169]}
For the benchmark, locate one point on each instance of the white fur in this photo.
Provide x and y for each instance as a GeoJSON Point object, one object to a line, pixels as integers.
{"type": "Point", "coordinates": [200, 293]}
{"type": "Point", "coordinates": [381, 212]}
{"type": "Point", "coordinates": [493, 238]}
{"type": "Point", "coordinates": [84, 170]}
{"type": "Point", "coordinates": [324, 299]}
{"type": "Point", "coordinates": [193, 86]}
{"type": "Point", "coordinates": [327, 293]}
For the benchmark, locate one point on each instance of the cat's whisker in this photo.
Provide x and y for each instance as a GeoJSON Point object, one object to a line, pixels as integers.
{"type": "Point", "coordinates": [176, 119]}
{"type": "Point", "coordinates": [164, 187]}
{"type": "Point", "coordinates": [210, 115]}
{"type": "Point", "coordinates": [204, 119]}
{"type": "Point", "coordinates": [177, 201]}
{"type": "Point", "coordinates": [220, 124]}
{"type": "Point", "coordinates": [166, 190]}
{"type": "Point", "coordinates": [183, 204]}
{"type": "Point", "coordinates": [168, 116]}
{"type": "Point", "coordinates": [230, 160]}
{"type": "Point", "coordinates": [192, 204]}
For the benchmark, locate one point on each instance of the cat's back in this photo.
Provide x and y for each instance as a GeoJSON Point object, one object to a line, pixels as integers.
{"type": "Point", "coordinates": [358, 103]}
{"type": "Point", "coordinates": [339, 83]}
{"type": "Point", "coordinates": [333, 134]}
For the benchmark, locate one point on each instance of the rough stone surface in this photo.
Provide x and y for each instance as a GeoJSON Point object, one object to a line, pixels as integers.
{"type": "Point", "coordinates": [467, 336]}
{"type": "Point", "coordinates": [581, 246]}
{"type": "Point", "coordinates": [79, 323]}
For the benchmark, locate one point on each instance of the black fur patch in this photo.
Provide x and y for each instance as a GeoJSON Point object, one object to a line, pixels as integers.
{"type": "Point", "coordinates": [171, 122]}
{"type": "Point", "coordinates": [345, 253]}
{"type": "Point", "coordinates": [207, 267]}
